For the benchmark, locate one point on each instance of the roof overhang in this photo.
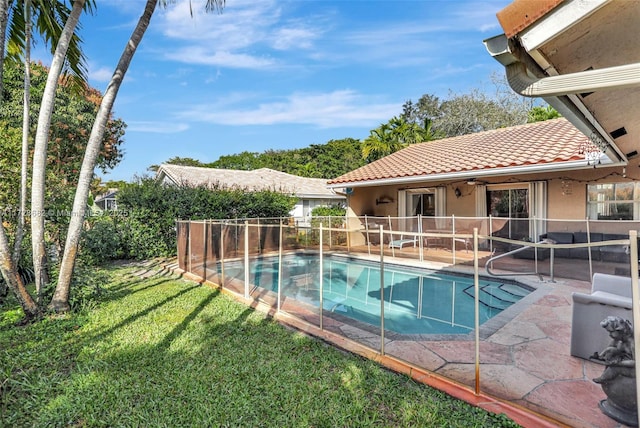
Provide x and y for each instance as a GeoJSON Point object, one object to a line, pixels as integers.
{"type": "Point", "coordinates": [580, 57]}
{"type": "Point", "coordinates": [333, 195]}
{"type": "Point", "coordinates": [486, 173]}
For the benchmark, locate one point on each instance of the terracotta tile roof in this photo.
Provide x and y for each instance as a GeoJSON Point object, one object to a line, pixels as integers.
{"type": "Point", "coordinates": [522, 13]}
{"type": "Point", "coordinates": [256, 180]}
{"type": "Point", "coordinates": [548, 142]}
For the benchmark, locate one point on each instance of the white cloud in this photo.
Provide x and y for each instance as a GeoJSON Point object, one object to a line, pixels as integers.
{"type": "Point", "coordinates": [100, 74]}
{"type": "Point", "coordinates": [241, 37]}
{"type": "Point", "coordinates": [336, 109]}
{"type": "Point", "coordinates": [478, 15]}
{"type": "Point", "coordinates": [205, 56]}
{"type": "Point", "coordinates": [256, 34]}
{"type": "Point", "coordinates": [156, 127]}
{"type": "Point", "coordinates": [287, 38]}
{"type": "Point", "coordinates": [238, 27]}
{"type": "Point", "coordinates": [213, 78]}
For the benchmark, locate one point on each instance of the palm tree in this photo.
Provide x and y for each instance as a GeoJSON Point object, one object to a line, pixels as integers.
{"type": "Point", "coordinates": [378, 144]}
{"type": "Point", "coordinates": [47, 15]}
{"type": "Point", "coordinates": [392, 136]}
{"type": "Point", "coordinates": [4, 11]}
{"type": "Point", "coordinates": [60, 300]}
{"type": "Point", "coordinates": [40, 149]}
{"type": "Point", "coordinates": [24, 165]}
{"type": "Point", "coordinates": [7, 266]}
{"type": "Point", "coordinates": [427, 133]}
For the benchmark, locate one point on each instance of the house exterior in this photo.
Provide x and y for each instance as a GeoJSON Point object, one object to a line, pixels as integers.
{"type": "Point", "coordinates": [107, 200]}
{"type": "Point", "coordinates": [540, 170]}
{"type": "Point", "coordinates": [311, 192]}
{"type": "Point", "coordinates": [583, 58]}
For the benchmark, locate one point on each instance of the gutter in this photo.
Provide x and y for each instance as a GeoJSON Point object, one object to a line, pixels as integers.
{"type": "Point", "coordinates": [333, 195]}
{"type": "Point", "coordinates": [486, 173]}
{"type": "Point", "coordinates": [619, 77]}
{"type": "Point", "coordinates": [526, 78]}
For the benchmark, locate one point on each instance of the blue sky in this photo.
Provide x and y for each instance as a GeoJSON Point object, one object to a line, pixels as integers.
{"type": "Point", "coordinates": [281, 74]}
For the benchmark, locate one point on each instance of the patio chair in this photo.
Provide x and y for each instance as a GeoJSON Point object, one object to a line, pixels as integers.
{"type": "Point", "coordinates": [610, 296]}
{"type": "Point", "coordinates": [399, 243]}
{"type": "Point", "coordinates": [406, 238]}
{"type": "Point", "coordinates": [468, 242]}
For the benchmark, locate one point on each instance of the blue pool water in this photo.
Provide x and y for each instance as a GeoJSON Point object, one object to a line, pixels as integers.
{"type": "Point", "coordinates": [416, 301]}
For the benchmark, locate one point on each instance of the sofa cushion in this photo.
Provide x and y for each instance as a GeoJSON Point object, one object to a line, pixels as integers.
{"type": "Point", "coordinates": [583, 253]}
{"type": "Point", "coordinates": [581, 237]}
{"type": "Point", "coordinates": [530, 253]}
{"type": "Point", "coordinates": [614, 236]}
{"type": "Point", "coordinates": [561, 238]}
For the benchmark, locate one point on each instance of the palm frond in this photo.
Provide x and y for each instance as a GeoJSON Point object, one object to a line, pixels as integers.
{"type": "Point", "coordinates": [48, 19]}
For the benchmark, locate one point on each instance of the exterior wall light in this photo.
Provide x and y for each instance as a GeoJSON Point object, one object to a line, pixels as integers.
{"type": "Point", "coordinates": [384, 200]}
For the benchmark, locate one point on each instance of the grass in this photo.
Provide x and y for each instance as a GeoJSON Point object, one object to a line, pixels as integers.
{"type": "Point", "coordinates": [166, 352]}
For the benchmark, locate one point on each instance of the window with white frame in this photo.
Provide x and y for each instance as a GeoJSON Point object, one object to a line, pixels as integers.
{"type": "Point", "coordinates": [613, 201]}
{"type": "Point", "coordinates": [423, 201]}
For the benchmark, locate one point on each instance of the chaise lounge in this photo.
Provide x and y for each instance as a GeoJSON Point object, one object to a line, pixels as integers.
{"type": "Point", "coordinates": [399, 243]}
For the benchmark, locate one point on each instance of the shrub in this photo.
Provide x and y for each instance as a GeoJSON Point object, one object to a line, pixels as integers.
{"type": "Point", "coordinates": [331, 210]}
{"type": "Point", "coordinates": [149, 228]}
{"type": "Point", "coordinates": [102, 241]}
{"type": "Point", "coordinates": [330, 216]}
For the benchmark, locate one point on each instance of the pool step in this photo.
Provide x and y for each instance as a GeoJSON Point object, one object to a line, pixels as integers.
{"type": "Point", "coordinates": [498, 298]}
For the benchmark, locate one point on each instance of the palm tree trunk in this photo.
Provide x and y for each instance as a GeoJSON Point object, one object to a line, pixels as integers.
{"type": "Point", "coordinates": [60, 300]}
{"type": "Point", "coordinates": [13, 280]}
{"type": "Point", "coordinates": [4, 20]}
{"type": "Point", "coordinates": [4, 17]}
{"type": "Point", "coordinates": [40, 149]}
{"type": "Point", "coordinates": [25, 133]}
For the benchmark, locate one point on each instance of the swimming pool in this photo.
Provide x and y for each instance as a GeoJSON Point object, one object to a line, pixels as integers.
{"type": "Point", "coordinates": [416, 301]}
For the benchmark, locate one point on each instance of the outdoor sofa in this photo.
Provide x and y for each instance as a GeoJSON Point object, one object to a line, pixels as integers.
{"type": "Point", "coordinates": [608, 253]}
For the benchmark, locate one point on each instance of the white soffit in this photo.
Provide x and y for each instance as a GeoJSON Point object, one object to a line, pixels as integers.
{"type": "Point", "coordinates": [559, 20]}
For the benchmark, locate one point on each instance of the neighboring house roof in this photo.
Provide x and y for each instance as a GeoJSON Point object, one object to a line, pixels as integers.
{"type": "Point", "coordinates": [552, 144]}
{"type": "Point", "coordinates": [255, 180]}
{"type": "Point", "coordinates": [109, 194]}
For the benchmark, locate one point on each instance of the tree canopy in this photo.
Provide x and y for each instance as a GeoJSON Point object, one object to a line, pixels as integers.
{"type": "Point", "coordinates": [396, 134]}
{"type": "Point", "coordinates": [71, 123]}
{"type": "Point", "coordinates": [540, 113]}
{"type": "Point", "coordinates": [466, 113]}
{"type": "Point", "coordinates": [329, 160]}
{"type": "Point", "coordinates": [429, 118]}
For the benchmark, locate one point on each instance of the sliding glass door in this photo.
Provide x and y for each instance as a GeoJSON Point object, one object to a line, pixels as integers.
{"type": "Point", "coordinates": [512, 203]}
{"type": "Point", "coordinates": [421, 204]}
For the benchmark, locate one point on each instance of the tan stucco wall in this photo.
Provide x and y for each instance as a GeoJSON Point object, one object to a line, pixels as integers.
{"type": "Point", "coordinates": [566, 192]}
{"type": "Point", "coordinates": [363, 201]}
{"type": "Point", "coordinates": [465, 205]}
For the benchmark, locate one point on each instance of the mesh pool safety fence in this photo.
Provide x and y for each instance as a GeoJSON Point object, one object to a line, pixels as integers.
{"type": "Point", "coordinates": [367, 280]}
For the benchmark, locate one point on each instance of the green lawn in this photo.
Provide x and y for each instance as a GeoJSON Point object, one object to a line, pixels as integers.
{"type": "Point", "coordinates": [165, 352]}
